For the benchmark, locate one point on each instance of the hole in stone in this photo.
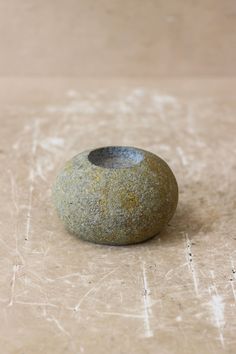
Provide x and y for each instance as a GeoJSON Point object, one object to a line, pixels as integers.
{"type": "Point", "coordinates": [115, 157]}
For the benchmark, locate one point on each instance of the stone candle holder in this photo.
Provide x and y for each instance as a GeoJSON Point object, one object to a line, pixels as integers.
{"type": "Point", "coordinates": [115, 195]}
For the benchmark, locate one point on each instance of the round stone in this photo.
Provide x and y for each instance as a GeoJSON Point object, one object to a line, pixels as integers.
{"type": "Point", "coordinates": [115, 195]}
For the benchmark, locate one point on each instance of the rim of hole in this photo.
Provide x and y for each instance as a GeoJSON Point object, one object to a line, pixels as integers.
{"type": "Point", "coordinates": [116, 157]}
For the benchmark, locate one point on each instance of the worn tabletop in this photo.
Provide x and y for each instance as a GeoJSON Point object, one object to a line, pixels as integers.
{"type": "Point", "coordinates": [173, 294]}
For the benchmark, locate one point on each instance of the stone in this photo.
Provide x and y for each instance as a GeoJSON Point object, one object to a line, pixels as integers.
{"type": "Point", "coordinates": [115, 195]}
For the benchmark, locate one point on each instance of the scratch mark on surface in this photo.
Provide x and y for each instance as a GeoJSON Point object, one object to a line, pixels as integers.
{"type": "Point", "coordinates": [77, 274]}
{"type": "Point", "coordinates": [77, 307]}
{"type": "Point", "coordinates": [189, 258]}
{"type": "Point", "coordinates": [233, 278]}
{"type": "Point", "coordinates": [16, 268]}
{"type": "Point", "coordinates": [52, 142]}
{"type": "Point", "coordinates": [167, 275]}
{"type": "Point", "coordinates": [29, 211]}
{"type": "Point", "coordinates": [45, 304]}
{"type": "Point", "coordinates": [217, 307]}
{"type": "Point", "coordinates": [15, 217]}
{"type": "Point", "coordinates": [58, 324]}
{"type": "Point", "coordinates": [31, 178]}
{"type": "Point", "coordinates": [233, 290]}
{"type": "Point", "coordinates": [233, 268]}
{"type": "Point", "coordinates": [120, 314]}
{"type": "Point", "coordinates": [182, 156]}
{"type": "Point", "coordinates": [147, 313]}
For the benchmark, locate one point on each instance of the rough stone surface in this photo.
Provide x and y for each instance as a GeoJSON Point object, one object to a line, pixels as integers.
{"type": "Point", "coordinates": [115, 195]}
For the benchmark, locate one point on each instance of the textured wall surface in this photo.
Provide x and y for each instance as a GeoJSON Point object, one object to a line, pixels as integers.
{"type": "Point", "coordinates": [174, 294]}
{"type": "Point", "coordinates": [117, 38]}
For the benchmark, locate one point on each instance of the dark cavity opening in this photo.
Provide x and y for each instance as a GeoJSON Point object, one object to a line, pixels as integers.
{"type": "Point", "coordinates": [115, 157]}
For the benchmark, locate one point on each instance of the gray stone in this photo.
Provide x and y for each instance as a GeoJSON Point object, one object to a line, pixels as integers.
{"type": "Point", "coordinates": [115, 195]}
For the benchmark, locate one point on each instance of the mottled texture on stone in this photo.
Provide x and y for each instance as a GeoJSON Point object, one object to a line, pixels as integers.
{"type": "Point", "coordinates": [115, 195]}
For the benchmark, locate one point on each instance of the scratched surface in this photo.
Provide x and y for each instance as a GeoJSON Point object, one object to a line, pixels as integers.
{"type": "Point", "coordinates": [173, 294]}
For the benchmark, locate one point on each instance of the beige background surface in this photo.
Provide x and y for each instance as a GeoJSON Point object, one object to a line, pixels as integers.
{"type": "Point", "coordinates": [117, 38]}
{"type": "Point", "coordinates": [80, 74]}
{"type": "Point", "coordinates": [173, 294]}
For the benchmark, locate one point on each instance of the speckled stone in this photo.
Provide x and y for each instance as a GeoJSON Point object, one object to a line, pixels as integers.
{"type": "Point", "coordinates": [115, 195]}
